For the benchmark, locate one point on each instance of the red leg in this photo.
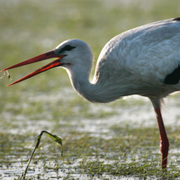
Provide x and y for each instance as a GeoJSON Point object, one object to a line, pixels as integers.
{"type": "Point", "coordinates": [164, 142]}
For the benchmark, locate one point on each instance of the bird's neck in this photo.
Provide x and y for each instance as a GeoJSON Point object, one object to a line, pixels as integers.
{"type": "Point", "coordinates": [80, 82]}
{"type": "Point", "coordinates": [93, 92]}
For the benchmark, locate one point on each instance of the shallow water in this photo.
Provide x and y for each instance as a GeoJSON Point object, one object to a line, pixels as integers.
{"type": "Point", "coordinates": [135, 116]}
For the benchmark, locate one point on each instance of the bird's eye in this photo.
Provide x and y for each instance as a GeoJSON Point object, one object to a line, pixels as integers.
{"type": "Point", "coordinates": [66, 48]}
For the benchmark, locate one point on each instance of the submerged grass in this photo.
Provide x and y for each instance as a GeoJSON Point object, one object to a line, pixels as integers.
{"type": "Point", "coordinates": [96, 143]}
{"type": "Point", "coordinates": [129, 155]}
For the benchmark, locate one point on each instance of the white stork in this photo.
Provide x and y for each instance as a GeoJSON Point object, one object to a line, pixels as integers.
{"type": "Point", "coordinates": [143, 61]}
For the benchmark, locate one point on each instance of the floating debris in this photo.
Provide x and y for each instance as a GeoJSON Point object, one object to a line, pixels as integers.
{"type": "Point", "coordinates": [8, 75]}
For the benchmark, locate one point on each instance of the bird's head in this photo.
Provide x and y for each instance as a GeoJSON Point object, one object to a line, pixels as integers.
{"type": "Point", "coordinates": [72, 54]}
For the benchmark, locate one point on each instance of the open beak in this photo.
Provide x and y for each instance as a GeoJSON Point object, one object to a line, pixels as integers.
{"type": "Point", "coordinates": [41, 57]}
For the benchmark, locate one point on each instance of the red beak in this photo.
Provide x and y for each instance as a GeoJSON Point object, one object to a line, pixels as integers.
{"type": "Point", "coordinates": [41, 57]}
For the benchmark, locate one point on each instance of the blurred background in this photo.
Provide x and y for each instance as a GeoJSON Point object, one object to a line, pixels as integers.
{"type": "Point", "coordinates": [47, 101]}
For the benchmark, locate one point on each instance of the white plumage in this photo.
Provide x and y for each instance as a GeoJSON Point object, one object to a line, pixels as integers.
{"type": "Point", "coordinates": [146, 55]}
{"type": "Point", "coordinates": [143, 61]}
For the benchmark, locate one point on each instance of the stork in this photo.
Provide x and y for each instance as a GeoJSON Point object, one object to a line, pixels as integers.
{"type": "Point", "coordinates": [144, 61]}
